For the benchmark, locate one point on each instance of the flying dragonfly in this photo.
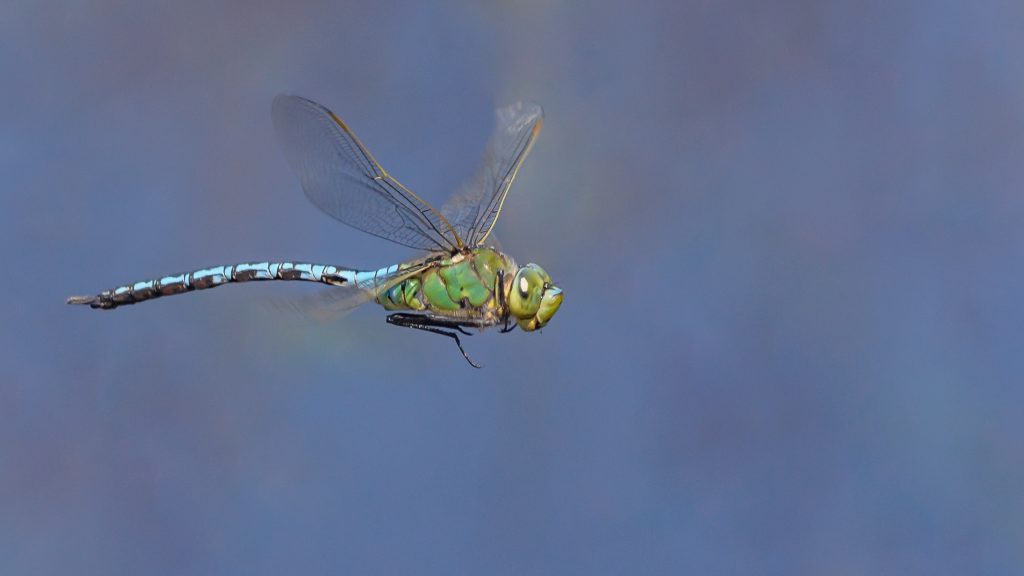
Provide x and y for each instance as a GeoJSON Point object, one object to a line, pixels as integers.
{"type": "Point", "coordinates": [458, 282]}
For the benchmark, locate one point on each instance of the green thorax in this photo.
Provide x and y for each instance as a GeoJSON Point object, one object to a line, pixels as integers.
{"type": "Point", "coordinates": [463, 285]}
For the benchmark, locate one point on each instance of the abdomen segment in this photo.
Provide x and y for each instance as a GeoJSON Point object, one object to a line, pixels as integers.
{"type": "Point", "coordinates": [218, 276]}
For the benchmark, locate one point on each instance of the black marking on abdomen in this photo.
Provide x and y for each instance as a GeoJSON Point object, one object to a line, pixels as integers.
{"type": "Point", "coordinates": [213, 277]}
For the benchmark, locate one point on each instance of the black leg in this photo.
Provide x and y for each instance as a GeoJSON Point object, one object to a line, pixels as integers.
{"type": "Point", "coordinates": [502, 305]}
{"type": "Point", "coordinates": [432, 325]}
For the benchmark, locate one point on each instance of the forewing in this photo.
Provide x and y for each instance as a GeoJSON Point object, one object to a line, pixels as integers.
{"type": "Point", "coordinates": [341, 177]}
{"type": "Point", "coordinates": [474, 210]}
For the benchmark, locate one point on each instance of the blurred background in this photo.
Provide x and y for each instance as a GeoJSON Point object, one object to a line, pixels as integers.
{"type": "Point", "coordinates": [790, 239]}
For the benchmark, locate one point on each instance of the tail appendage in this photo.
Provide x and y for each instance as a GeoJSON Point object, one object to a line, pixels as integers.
{"type": "Point", "coordinates": [220, 275]}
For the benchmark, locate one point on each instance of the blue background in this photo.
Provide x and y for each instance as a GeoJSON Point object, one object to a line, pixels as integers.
{"type": "Point", "coordinates": [789, 233]}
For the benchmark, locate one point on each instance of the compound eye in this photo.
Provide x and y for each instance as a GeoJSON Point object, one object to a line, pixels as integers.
{"type": "Point", "coordinates": [524, 286]}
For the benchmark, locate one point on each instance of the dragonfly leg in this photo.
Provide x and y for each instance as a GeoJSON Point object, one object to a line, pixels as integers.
{"type": "Point", "coordinates": [426, 324]}
{"type": "Point", "coordinates": [502, 305]}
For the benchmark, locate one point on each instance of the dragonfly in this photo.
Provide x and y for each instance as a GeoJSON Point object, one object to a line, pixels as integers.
{"type": "Point", "coordinates": [458, 282]}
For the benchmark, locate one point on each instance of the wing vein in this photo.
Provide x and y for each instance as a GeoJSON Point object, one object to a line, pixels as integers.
{"type": "Point", "coordinates": [343, 179]}
{"type": "Point", "coordinates": [476, 208]}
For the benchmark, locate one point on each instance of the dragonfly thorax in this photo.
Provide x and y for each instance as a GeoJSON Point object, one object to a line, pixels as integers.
{"type": "Point", "coordinates": [464, 285]}
{"type": "Point", "coordinates": [483, 285]}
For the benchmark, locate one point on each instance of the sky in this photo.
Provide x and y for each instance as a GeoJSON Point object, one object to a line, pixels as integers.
{"type": "Point", "coordinates": [788, 235]}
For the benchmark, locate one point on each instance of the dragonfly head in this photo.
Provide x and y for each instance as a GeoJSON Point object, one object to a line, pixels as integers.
{"type": "Point", "coordinates": [533, 299]}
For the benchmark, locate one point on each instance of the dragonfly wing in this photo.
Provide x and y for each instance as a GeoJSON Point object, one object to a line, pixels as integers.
{"type": "Point", "coordinates": [337, 301]}
{"type": "Point", "coordinates": [475, 208]}
{"type": "Point", "coordinates": [325, 305]}
{"type": "Point", "coordinates": [341, 177]}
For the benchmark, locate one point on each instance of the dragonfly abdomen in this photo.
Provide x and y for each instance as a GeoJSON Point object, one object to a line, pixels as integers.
{"type": "Point", "coordinates": [217, 276]}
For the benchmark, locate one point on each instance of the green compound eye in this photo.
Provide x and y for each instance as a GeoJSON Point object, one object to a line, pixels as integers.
{"type": "Point", "coordinates": [534, 299]}
{"type": "Point", "coordinates": [529, 288]}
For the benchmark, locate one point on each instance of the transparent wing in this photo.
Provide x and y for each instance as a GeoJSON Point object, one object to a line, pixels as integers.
{"type": "Point", "coordinates": [475, 208]}
{"type": "Point", "coordinates": [336, 301]}
{"type": "Point", "coordinates": [327, 304]}
{"type": "Point", "coordinates": [341, 177]}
